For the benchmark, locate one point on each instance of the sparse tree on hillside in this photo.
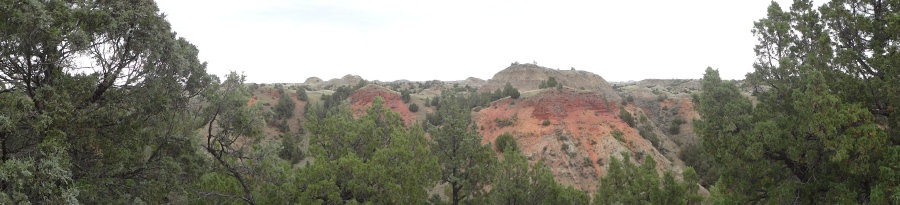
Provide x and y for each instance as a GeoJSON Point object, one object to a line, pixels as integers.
{"type": "Point", "coordinates": [551, 82]}
{"type": "Point", "coordinates": [413, 107]}
{"type": "Point", "coordinates": [404, 95]}
{"type": "Point", "coordinates": [509, 90]}
{"type": "Point", "coordinates": [626, 116]}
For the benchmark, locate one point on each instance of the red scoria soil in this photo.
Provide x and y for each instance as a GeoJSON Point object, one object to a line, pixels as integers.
{"type": "Point", "coordinates": [362, 99]}
{"type": "Point", "coordinates": [584, 117]}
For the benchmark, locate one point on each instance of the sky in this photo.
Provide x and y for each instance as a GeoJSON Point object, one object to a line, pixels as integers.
{"type": "Point", "coordinates": [287, 41]}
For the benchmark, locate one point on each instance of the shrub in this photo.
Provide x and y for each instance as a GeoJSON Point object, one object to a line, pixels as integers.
{"type": "Point", "coordinates": [546, 122]}
{"type": "Point", "coordinates": [505, 122]}
{"type": "Point", "coordinates": [509, 90]}
{"type": "Point", "coordinates": [551, 82]}
{"type": "Point", "coordinates": [505, 142]}
{"type": "Point", "coordinates": [413, 107]}
{"type": "Point", "coordinates": [675, 128]}
{"type": "Point", "coordinates": [405, 96]}
{"type": "Point", "coordinates": [618, 135]}
{"type": "Point", "coordinates": [647, 132]}
{"type": "Point", "coordinates": [290, 150]}
{"type": "Point", "coordinates": [285, 106]}
{"type": "Point", "coordinates": [301, 94]}
{"type": "Point", "coordinates": [626, 116]}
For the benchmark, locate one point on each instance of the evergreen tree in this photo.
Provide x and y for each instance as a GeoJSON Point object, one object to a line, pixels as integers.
{"type": "Point", "coordinates": [372, 159]}
{"type": "Point", "coordinates": [404, 95]}
{"type": "Point", "coordinates": [466, 165]}
{"type": "Point", "coordinates": [517, 183]}
{"type": "Point", "coordinates": [628, 183]}
{"type": "Point", "coordinates": [118, 133]}
{"type": "Point", "coordinates": [301, 94]}
{"type": "Point", "coordinates": [285, 107]}
{"type": "Point", "coordinates": [822, 131]}
{"type": "Point", "coordinates": [509, 90]}
{"type": "Point", "coordinates": [551, 82]}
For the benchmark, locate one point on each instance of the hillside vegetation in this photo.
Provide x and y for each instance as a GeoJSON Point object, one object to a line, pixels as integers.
{"type": "Point", "coordinates": [814, 123]}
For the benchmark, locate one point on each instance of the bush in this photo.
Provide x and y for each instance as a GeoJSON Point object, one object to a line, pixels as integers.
{"type": "Point", "coordinates": [301, 94]}
{"type": "Point", "coordinates": [290, 150]}
{"type": "Point", "coordinates": [626, 116]}
{"type": "Point", "coordinates": [509, 90]}
{"type": "Point", "coordinates": [506, 122]}
{"type": "Point", "coordinates": [405, 96]}
{"type": "Point", "coordinates": [551, 82]}
{"type": "Point", "coordinates": [285, 107]}
{"type": "Point", "coordinates": [647, 132]}
{"type": "Point", "coordinates": [505, 142]}
{"type": "Point", "coordinates": [413, 107]}
{"type": "Point", "coordinates": [675, 128]}
{"type": "Point", "coordinates": [618, 135]}
{"type": "Point", "coordinates": [546, 122]}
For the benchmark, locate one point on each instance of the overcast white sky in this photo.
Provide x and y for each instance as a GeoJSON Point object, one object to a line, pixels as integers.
{"type": "Point", "coordinates": [290, 40]}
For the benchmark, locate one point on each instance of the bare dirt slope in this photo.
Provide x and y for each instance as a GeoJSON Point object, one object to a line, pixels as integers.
{"type": "Point", "coordinates": [578, 141]}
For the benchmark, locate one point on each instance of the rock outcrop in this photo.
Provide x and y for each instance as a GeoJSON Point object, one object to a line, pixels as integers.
{"type": "Point", "coordinates": [529, 76]}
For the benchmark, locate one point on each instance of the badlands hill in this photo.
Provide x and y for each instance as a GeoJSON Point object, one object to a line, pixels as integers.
{"type": "Point", "coordinates": [574, 130]}
{"type": "Point", "coordinates": [529, 76]}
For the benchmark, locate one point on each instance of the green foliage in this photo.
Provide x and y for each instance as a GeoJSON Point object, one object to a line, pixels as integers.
{"type": "Point", "coordinates": [618, 135]}
{"type": "Point", "coordinates": [551, 82]}
{"type": "Point", "coordinates": [231, 121]}
{"type": "Point", "coordinates": [413, 107]}
{"type": "Point", "coordinates": [628, 183]}
{"type": "Point", "coordinates": [803, 142]}
{"type": "Point", "coordinates": [647, 133]}
{"type": "Point", "coordinates": [517, 183]}
{"type": "Point", "coordinates": [675, 128]}
{"type": "Point", "coordinates": [435, 102]}
{"type": "Point", "coordinates": [372, 159]}
{"type": "Point", "coordinates": [626, 116]}
{"type": "Point", "coordinates": [466, 165]}
{"type": "Point", "coordinates": [546, 122]}
{"type": "Point", "coordinates": [301, 94]}
{"type": "Point", "coordinates": [404, 95]}
{"type": "Point", "coordinates": [543, 84]}
{"type": "Point", "coordinates": [291, 150]}
{"type": "Point", "coordinates": [116, 133]}
{"type": "Point", "coordinates": [694, 156]}
{"type": "Point", "coordinates": [503, 122]}
{"type": "Point", "coordinates": [509, 90]}
{"type": "Point", "coordinates": [505, 142]}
